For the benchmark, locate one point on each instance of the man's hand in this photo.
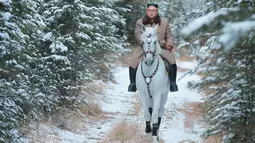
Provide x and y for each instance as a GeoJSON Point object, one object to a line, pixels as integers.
{"type": "Point", "coordinates": [169, 47]}
{"type": "Point", "coordinates": [141, 43]}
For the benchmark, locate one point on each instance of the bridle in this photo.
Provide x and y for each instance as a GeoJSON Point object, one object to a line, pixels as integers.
{"type": "Point", "coordinates": [148, 41]}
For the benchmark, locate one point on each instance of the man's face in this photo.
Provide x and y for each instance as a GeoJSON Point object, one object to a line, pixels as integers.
{"type": "Point", "coordinates": [152, 12]}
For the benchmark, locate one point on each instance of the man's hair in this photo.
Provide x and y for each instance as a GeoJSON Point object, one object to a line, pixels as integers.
{"type": "Point", "coordinates": [152, 4]}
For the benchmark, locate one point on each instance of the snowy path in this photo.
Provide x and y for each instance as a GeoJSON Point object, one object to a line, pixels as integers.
{"type": "Point", "coordinates": [117, 103]}
{"type": "Point", "coordinates": [179, 123]}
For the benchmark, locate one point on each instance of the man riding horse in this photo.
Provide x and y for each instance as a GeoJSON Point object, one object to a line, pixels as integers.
{"type": "Point", "coordinates": [151, 19]}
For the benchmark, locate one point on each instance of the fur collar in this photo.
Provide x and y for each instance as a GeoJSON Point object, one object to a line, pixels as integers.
{"type": "Point", "coordinates": [146, 20]}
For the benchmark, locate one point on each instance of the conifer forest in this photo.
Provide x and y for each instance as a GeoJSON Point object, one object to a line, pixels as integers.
{"type": "Point", "coordinates": [51, 49]}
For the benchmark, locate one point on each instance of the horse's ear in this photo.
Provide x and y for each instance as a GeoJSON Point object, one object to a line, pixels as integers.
{"type": "Point", "coordinates": [143, 28]}
{"type": "Point", "coordinates": [156, 28]}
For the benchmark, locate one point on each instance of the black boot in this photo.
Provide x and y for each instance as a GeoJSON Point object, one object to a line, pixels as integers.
{"type": "Point", "coordinates": [132, 74]}
{"type": "Point", "coordinates": [172, 77]}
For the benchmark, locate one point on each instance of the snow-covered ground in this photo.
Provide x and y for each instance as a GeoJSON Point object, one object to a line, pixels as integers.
{"type": "Point", "coordinates": [118, 105]}
{"type": "Point", "coordinates": [178, 126]}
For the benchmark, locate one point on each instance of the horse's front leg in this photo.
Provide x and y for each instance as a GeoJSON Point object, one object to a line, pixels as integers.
{"type": "Point", "coordinates": [147, 114]}
{"type": "Point", "coordinates": [154, 118]}
{"type": "Point", "coordinates": [148, 123]}
{"type": "Point", "coordinates": [148, 126]}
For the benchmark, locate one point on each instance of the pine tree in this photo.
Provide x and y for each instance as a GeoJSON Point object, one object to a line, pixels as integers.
{"type": "Point", "coordinates": [227, 63]}
{"type": "Point", "coordinates": [131, 11]}
{"type": "Point", "coordinates": [174, 12]}
{"type": "Point", "coordinates": [15, 96]}
{"type": "Point", "coordinates": [48, 49]}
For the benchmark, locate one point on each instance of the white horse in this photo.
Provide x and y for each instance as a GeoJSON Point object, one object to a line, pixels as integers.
{"type": "Point", "coordinates": [152, 81]}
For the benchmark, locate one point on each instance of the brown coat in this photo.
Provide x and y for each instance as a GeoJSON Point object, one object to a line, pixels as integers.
{"type": "Point", "coordinates": [164, 37]}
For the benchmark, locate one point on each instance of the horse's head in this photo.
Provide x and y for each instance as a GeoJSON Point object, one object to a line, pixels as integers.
{"type": "Point", "coordinates": [150, 43]}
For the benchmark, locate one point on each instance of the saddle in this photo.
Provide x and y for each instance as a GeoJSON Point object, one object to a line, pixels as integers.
{"type": "Point", "coordinates": [167, 66]}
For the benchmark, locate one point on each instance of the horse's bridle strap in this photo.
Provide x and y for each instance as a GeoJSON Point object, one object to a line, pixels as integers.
{"type": "Point", "coordinates": [149, 78]}
{"type": "Point", "coordinates": [149, 51]}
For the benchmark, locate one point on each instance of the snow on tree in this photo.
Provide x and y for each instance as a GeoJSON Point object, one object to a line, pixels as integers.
{"type": "Point", "coordinates": [48, 49]}
{"type": "Point", "coordinates": [226, 59]}
{"type": "Point", "coordinates": [16, 32]}
{"type": "Point", "coordinates": [174, 12]}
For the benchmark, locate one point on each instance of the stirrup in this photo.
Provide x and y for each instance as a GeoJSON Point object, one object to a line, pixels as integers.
{"type": "Point", "coordinates": [132, 87]}
{"type": "Point", "coordinates": [173, 87]}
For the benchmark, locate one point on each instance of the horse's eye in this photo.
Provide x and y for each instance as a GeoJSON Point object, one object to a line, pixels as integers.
{"type": "Point", "coordinates": [155, 42]}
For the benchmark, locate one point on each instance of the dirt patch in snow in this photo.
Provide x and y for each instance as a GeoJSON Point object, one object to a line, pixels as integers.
{"type": "Point", "coordinates": [193, 113]}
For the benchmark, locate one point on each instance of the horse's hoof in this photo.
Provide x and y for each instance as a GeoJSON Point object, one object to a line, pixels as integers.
{"type": "Point", "coordinates": [173, 87]}
{"type": "Point", "coordinates": [155, 139]}
{"type": "Point", "coordinates": [132, 87]}
{"type": "Point", "coordinates": [148, 130]}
